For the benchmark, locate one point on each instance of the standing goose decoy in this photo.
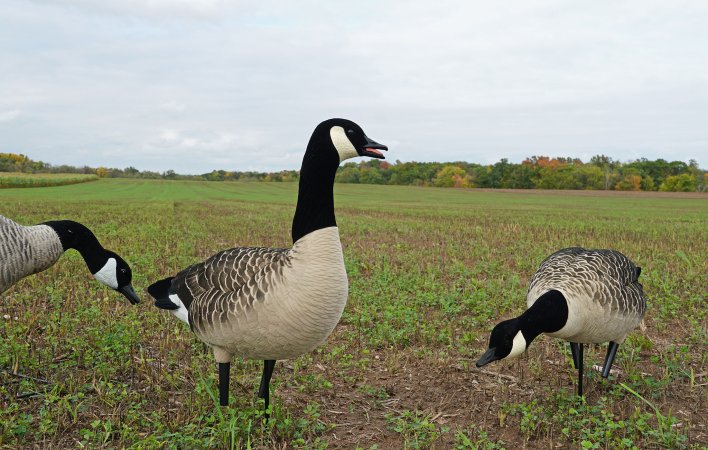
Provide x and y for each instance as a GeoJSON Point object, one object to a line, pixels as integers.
{"type": "Point", "coordinates": [26, 250]}
{"type": "Point", "coordinates": [582, 296]}
{"type": "Point", "coordinates": [275, 303]}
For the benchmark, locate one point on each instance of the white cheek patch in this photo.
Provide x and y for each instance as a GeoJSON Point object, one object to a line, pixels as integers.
{"type": "Point", "coordinates": [342, 143]}
{"type": "Point", "coordinates": [518, 346]}
{"type": "Point", "coordinates": [107, 275]}
{"type": "Point", "coordinates": [181, 313]}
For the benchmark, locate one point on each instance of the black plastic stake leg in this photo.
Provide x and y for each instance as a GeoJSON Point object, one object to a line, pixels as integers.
{"type": "Point", "coordinates": [264, 391]}
{"type": "Point", "coordinates": [580, 370]}
{"type": "Point", "coordinates": [610, 358]}
{"type": "Point", "coordinates": [224, 383]}
{"type": "Point", "coordinates": [574, 352]}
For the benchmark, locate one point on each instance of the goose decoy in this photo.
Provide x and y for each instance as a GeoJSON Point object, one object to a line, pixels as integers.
{"type": "Point", "coordinates": [275, 303]}
{"type": "Point", "coordinates": [579, 295]}
{"type": "Point", "coordinates": [26, 250]}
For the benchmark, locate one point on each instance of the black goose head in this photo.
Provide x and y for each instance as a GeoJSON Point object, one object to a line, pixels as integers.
{"type": "Point", "coordinates": [116, 274]}
{"type": "Point", "coordinates": [506, 340]}
{"type": "Point", "coordinates": [106, 266]}
{"type": "Point", "coordinates": [336, 140]}
{"type": "Point", "coordinates": [548, 314]}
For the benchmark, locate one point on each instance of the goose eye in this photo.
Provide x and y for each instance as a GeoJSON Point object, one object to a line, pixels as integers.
{"type": "Point", "coordinates": [350, 131]}
{"type": "Point", "coordinates": [122, 270]}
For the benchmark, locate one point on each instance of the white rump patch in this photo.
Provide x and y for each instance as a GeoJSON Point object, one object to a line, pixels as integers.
{"type": "Point", "coordinates": [107, 275]}
{"type": "Point", "coordinates": [181, 313]}
{"type": "Point", "coordinates": [518, 346]}
{"type": "Point", "coordinates": [341, 142]}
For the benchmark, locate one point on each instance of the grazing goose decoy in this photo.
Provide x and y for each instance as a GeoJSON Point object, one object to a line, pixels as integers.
{"type": "Point", "coordinates": [582, 296]}
{"type": "Point", "coordinates": [275, 303]}
{"type": "Point", "coordinates": [26, 250]}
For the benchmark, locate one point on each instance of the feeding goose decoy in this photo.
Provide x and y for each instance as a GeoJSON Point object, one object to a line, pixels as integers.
{"type": "Point", "coordinates": [275, 303]}
{"type": "Point", "coordinates": [26, 250]}
{"type": "Point", "coordinates": [579, 295]}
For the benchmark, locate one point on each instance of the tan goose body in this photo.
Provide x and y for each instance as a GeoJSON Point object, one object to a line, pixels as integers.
{"type": "Point", "coordinates": [605, 299]}
{"type": "Point", "coordinates": [265, 303]}
{"type": "Point", "coordinates": [25, 250]}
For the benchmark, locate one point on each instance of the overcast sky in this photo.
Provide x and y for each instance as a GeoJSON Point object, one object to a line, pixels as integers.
{"type": "Point", "coordinates": [240, 85]}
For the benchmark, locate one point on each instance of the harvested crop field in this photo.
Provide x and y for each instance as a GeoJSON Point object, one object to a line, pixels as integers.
{"type": "Point", "coordinates": [430, 272]}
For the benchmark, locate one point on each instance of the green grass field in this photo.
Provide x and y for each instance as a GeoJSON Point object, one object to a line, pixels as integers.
{"type": "Point", "coordinates": [430, 270]}
{"type": "Point", "coordinates": [30, 180]}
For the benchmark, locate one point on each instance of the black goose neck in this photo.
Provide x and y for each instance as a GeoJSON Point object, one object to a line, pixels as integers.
{"type": "Point", "coordinates": [315, 199]}
{"type": "Point", "coordinates": [77, 236]}
{"type": "Point", "coordinates": [548, 314]}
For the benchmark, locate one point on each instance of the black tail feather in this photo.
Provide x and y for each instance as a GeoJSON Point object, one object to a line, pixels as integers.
{"type": "Point", "coordinates": [160, 291]}
{"type": "Point", "coordinates": [637, 273]}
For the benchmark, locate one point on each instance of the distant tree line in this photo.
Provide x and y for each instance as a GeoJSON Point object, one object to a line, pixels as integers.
{"type": "Point", "coordinates": [536, 172]}
{"type": "Point", "coordinates": [14, 162]}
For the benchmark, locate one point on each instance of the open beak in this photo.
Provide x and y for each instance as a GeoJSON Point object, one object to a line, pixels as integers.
{"type": "Point", "coordinates": [130, 294]}
{"type": "Point", "coordinates": [371, 149]}
{"type": "Point", "coordinates": [488, 357]}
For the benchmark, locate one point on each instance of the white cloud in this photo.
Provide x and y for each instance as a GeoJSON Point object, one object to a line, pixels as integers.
{"type": "Point", "coordinates": [177, 140]}
{"type": "Point", "coordinates": [173, 106]}
{"type": "Point", "coordinates": [8, 116]}
{"type": "Point", "coordinates": [146, 8]}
